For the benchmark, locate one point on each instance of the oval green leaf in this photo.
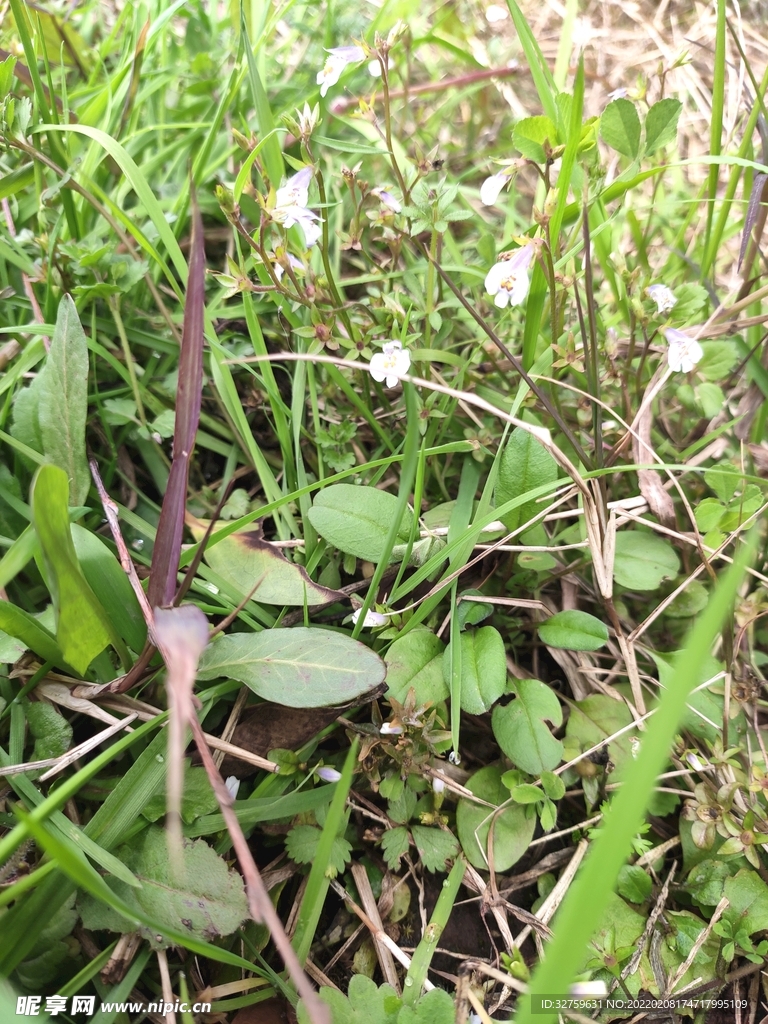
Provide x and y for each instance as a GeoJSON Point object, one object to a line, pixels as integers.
{"type": "Point", "coordinates": [302, 667]}
{"type": "Point", "coordinates": [512, 828]}
{"type": "Point", "coordinates": [521, 731]}
{"type": "Point", "coordinates": [356, 520]}
{"type": "Point", "coordinates": [574, 631]}
{"type": "Point", "coordinates": [483, 669]}
{"type": "Point", "coordinates": [415, 660]}
{"type": "Point", "coordinates": [643, 560]}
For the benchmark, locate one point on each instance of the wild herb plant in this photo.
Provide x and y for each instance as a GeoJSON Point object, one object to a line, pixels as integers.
{"type": "Point", "coordinates": [389, 420]}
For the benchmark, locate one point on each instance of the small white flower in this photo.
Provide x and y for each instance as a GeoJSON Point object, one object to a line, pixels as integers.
{"type": "Point", "coordinates": [495, 13]}
{"type": "Point", "coordinates": [387, 729]}
{"type": "Point", "coordinates": [491, 187]}
{"type": "Point", "coordinates": [339, 57]}
{"type": "Point", "coordinates": [683, 352]}
{"type": "Point", "coordinates": [508, 279]}
{"type": "Point", "coordinates": [663, 297]}
{"type": "Point", "coordinates": [372, 620]}
{"type": "Point", "coordinates": [437, 785]}
{"type": "Point", "coordinates": [296, 265]}
{"type": "Point", "coordinates": [387, 198]}
{"type": "Point", "coordinates": [588, 990]}
{"type": "Point", "coordinates": [233, 785]}
{"type": "Point", "coordinates": [374, 68]}
{"type": "Point", "coordinates": [617, 94]}
{"type": "Point", "coordinates": [291, 206]}
{"type": "Point", "coordinates": [391, 364]}
{"type": "Point", "coordinates": [328, 774]}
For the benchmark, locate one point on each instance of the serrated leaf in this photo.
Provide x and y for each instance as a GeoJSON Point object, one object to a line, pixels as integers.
{"type": "Point", "coordinates": [524, 464]}
{"type": "Point", "coordinates": [483, 669]}
{"type": "Point", "coordinates": [520, 729]}
{"type": "Point", "coordinates": [82, 627]}
{"type": "Point", "coordinates": [301, 845]}
{"type": "Point", "coordinates": [244, 559]}
{"type": "Point", "coordinates": [634, 884]}
{"type": "Point", "coordinates": [394, 846]}
{"type": "Point", "coordinates": [367, 1003]}
{"type": "Point", "coordinates": [435, 846]}
{"type": "Point", "coordinates": [201, 893]}
{"type": "Point", "coordinates": [416, 660]}
{"type": "Point", "coordinates": [303, 667]}
{"type": "Point", "coordinates": [643, 560]}
{"type": "Point", "coordinates": [574, 630]}
{"type": "Point", "coordinates": [356, 520]}
{"type": "Point", "coordinates": [512, 828]}
{"type": "Point", "coordinates": [620, 127]}
{"type": "Point", "coordinates": [435, 1007]}
{"type": "Point", "coordinates": [747, 895]}
{"type": "Point", "coordinates": [661, 123]}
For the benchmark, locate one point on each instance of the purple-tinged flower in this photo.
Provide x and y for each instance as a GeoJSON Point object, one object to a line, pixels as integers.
{"type": "Point", "coordinates": [663, 297]}
{"type": "Point", "coordinates": [508, 279]}
{"type": "Point", "coordinates": [387, 729]}
{"type": "Point", "coordinates": [683, 352]}
{"type": "Point", "coordinates": [327, 774]}
{"type": "Point", "coordinates": [338, 58]}
{"type": "Point", "coordinates": [291, 206]}
{"type": "Point", "coordinates": [391, 364]}
{"type": "Point", "coordinates": [387, 199]}
{"type": "Point", "coordinates": [295, 264]}
{"type": "Point", "coordinates": [233, 785]}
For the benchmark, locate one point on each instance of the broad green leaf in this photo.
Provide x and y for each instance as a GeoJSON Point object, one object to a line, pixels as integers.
{"type": "Point", "coordinates": [524, 464]}
{"type": "Point", "coordinates": [416, 660]}
{"type": "Point", "coordinates": [244, 559]}
{"type": "Point", "coordinates": [747, 895]}
{"type": "Point", "coordinates": [367, 1003]}
{"type": "Point", "coordinates": [198, 798]}
{"type": "Point", "coordinates": [708, 514]}
{"type": "Point", "coordinates": [52, 732]}
{"type": "Point", "coordinates": [620, 127]}
{"type": "Point", "coordinates": [483, 669]}
{"type": "Point", "coordinates": [61, 399]}
{"type": "Point", "coordinates": [201, 892]}
{"type": "Point", "coordinates": [109, 583]}
{"type": "Point", "coordinates": [435, 1007]}
{"type": "Point", "coordinates": [621, 928]}
{"type": "Point", "coordinates": [394, 845]}
{"type": "Point", "coordinates": [512, 828]}
{"type": "Point", "coordinates": [82, 627]}
{"type": "Point", "coordinates": [690, 602]}
{"type": "Point", "coordinates": [520, 727]}
{"type": "Point", "coordinates": [634, 884]}
{"type": "Point", "coordinates": [435, 846]}
{"type": "Point", "coordinates": [24, 627]}
{"type": "Point", "coordinates": [661, 124]}
{"type": "Point", "coordinates": [643, 560]}
{"type": "Point", "coordinates": [574, 630]}
{"type": "Point", "coordinates": [706, 881]}
{"type": "Point", "coordinates": [300, 667]}
{"type": "Point", "coordinates": [592, 720]}
{"type": "Point", "coordinates": [535, 138]}
{"type": "Point", "coordinates": [724, 480]}
{"type": "Point", "coordinates": [301, 846]}
{"type": "Point", "coordinates": [356, 520]}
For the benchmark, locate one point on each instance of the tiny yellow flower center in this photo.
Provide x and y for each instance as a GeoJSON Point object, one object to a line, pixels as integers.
{"type": "Point", "coordinates": [507, 284]}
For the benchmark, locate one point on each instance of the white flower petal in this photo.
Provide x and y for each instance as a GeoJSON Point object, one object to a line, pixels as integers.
{"type": "Point", "coordinates": [663, 297]}
{"type": "Point", "coordinates": [374, 68]}
{"type": "Point", "coordinates": [437, 784]}
{"type": "Point", "coordinates": [683, 352]}
{"type": "Point", "coordinates": [491, 187]}
{"type": "Point", "coordinates": [387, 729]}
{"type": "Point", "coordinates": [387, 198]}
{"type": "Point", "coordinates": [372, 619]}
{"type": "Point", "coordinates": [327, 774]}
{"type": "Point", "coordinates": [391, 364]}
{"type": "Point", "coordinates": [233, 785]}
{"type": "Point", "coordinates": [378, 366]}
